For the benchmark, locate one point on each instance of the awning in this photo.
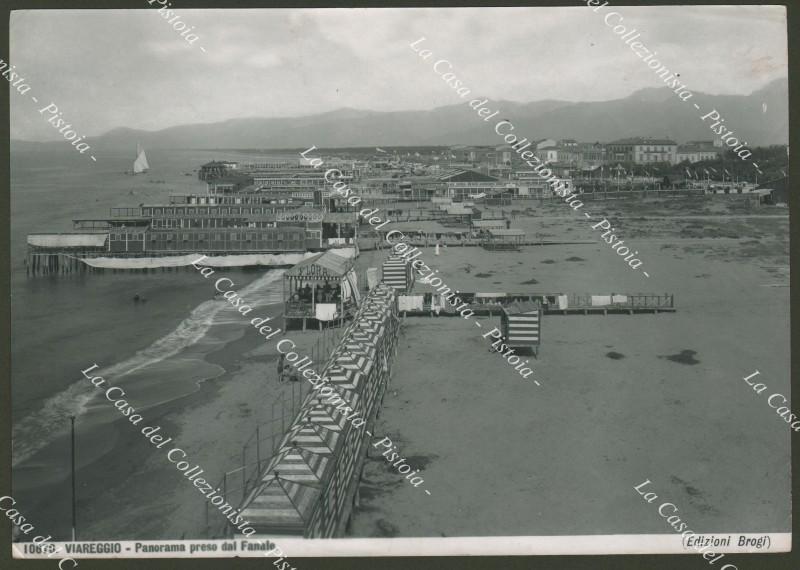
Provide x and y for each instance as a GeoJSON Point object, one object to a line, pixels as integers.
{"type": "Point", "coordinates": [67, 240]}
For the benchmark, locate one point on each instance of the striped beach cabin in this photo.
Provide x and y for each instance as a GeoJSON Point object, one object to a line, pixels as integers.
{"type": "Point", "coordinates": [310, 486]}
{"type": "Point", "coordinates": [521, 325]}
{"type": "Point", "coordinates": [397, 274]}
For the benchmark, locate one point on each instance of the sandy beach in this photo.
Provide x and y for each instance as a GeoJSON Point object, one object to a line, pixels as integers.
{"type": "Point", "coordinates": [495, 448]}
{"type": "Point", "coordinates": [212, 426]}
{"type": "Point", "coordinates": [664, 400]}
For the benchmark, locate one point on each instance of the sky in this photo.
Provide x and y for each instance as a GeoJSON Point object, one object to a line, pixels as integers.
{"type": "Point", "coordinates": [129, 68]}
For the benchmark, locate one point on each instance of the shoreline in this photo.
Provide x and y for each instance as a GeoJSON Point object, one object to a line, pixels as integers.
{"type": "Point", "coordinates": [153, 476]}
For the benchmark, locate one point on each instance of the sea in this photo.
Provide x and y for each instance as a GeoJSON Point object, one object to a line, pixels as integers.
{"type": "Point", "coordinates": [62, 324]}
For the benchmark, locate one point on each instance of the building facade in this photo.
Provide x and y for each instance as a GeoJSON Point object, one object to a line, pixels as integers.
{"type": "Point", "coordinates": [697, 152]}
{"type": "Point", "coordinates": [640, 150]}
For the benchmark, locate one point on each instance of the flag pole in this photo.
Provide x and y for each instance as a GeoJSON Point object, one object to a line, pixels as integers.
{"type": "Point", "coordinates": [72, 446]}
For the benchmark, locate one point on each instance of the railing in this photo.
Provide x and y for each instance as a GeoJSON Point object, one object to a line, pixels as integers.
{"type": "Point", "coordinates": [260, 447]}
{"type": "Point", "coordinates": [637, 300]}
{"type": "Point", "coordinates": [91, 225]}
{"type": "Point", "coordinates": [298, 309]}
{"type": "Point", "coordinates": [307, 309]}
{"type": "Point", "coordinates": [495, 301]}
{"type": "Point", "coordinates": [656, 301]}
{"type": "Point", "coordinates": [125, 212]}
{"type": "Point", "coordinates": [257, 452]}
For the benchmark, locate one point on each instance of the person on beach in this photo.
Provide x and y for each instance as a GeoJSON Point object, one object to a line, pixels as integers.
{"type": "Point", "coordinates": [281, 359]}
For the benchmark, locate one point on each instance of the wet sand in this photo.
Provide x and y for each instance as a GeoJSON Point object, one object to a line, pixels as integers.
{"type": "Point", "coordinates": [211, 426]}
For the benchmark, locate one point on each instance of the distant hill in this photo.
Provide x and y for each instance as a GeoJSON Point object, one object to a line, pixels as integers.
{"type": "Point", "coordinates": [648, 112]}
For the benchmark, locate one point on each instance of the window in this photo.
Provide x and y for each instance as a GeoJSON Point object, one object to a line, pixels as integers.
{"type": "Point", "coordinates": [185, 237]}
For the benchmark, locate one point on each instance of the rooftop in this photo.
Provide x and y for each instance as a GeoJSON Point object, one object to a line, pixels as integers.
{"type": "Point", "coordinates": [643, 140]}
{"type": "Point", "coordinates": [333, 263]}
{"type": "Point", "coordinates": [520, 307]}
{"type": "Point", "coordinates": [460, 174]}
{"type": "Point", "coordinates": [509, 232]}
{"type": "Point", "coordinates": [700, 147]}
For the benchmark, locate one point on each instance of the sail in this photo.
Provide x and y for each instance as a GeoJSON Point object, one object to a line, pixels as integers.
{"type": "Point", "coordinates": [140, 164]}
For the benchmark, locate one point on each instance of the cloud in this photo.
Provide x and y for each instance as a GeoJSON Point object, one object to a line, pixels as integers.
{"type": "Point", "coordinates": [111, 68]}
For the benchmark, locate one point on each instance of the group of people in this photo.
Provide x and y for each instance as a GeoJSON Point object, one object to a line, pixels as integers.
{"type": "Point", "coordinates": [320, 294]}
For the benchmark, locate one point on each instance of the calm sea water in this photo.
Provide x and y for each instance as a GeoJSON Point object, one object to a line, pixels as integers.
{"type": "Point", "coordinates": [64, 324]}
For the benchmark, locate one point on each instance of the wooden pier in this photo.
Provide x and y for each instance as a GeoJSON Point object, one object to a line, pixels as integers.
{"type": "Point", "coordinates": [490, 304]}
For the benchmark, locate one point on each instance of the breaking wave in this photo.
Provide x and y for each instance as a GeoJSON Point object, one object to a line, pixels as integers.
{"type": "Point", "coordinates": [40, 428]}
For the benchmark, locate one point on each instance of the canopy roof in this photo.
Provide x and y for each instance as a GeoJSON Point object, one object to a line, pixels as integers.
{"type": "Point", "coordinates": [521, 307]}
{"type": "Point", "coordinates": [321, 265]}
{"type": "Point", "coordinates": [67, 240]}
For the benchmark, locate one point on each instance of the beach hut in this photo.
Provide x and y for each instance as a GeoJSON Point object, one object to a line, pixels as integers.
{"type": "Point", "coordinates": [310, 486]}
{"type": "Point", "coordinates": [397, 274]}
{"type": "Point", "coordinates": [323, 287]}
{"type": "Point", "coordinates": [521, 325]}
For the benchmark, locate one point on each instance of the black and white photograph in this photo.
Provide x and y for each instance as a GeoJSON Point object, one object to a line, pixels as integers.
{"type": "Point", "coordinates": [399, 281]}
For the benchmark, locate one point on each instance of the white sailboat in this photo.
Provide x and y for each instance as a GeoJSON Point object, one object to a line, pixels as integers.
{"type": "Point", "coordinates": [140, 164]}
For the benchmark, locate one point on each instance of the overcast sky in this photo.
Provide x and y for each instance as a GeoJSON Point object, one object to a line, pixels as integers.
{"type": "Point", "coordinates": [112, 68]}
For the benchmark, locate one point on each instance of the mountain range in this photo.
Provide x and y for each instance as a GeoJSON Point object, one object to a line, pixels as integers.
{"type": "Point", "coordinates": [760, 118]}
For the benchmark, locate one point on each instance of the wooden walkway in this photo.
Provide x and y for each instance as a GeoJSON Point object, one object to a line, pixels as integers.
{"type": "Point", "coordinates": [490, 304]}
{"type": "Point", "coordinates": [490, 311]}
